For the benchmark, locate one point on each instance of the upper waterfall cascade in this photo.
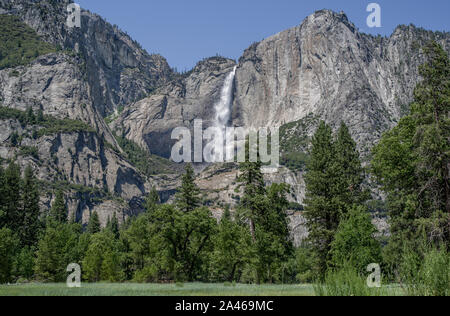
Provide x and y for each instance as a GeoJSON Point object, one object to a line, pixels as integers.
{"type": "Point", "coordinates": [223, 107]}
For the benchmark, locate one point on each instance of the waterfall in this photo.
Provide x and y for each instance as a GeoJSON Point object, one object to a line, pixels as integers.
{"type": "Point", "coordinates": [223, 113]}
{"type": "Point", "coordinates": [223, 107]}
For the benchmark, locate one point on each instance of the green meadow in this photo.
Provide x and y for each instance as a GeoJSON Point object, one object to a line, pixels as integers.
{"type": "Point", "coordinates": [188, 289]}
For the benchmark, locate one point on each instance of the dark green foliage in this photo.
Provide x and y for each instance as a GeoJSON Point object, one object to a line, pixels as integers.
{"type": "Point", "coordinates": [152, 200]}
{"type": "Point", "coordinates": [58, 212]}
{"type": "Point", "coordinates": [425, 272]}
{"type": "Point", "coordinates": [14, 140]}
{"type": "Point", "coordinates": [31, 118]}
{"type": "Point", "coordinates": [273, 241]}
{"type": "Point", "coordinates": [293, 206]}
{"type": "Point", "coordinates": [3, 189]}
{"type": "Point", "coordinates": [333, 185]}
{"type": "Point", "coordinates": [170, 244]}
{"type": "Point", "coordinates": [350, 174]}
{"type": "Point", "coordinates": [296, 161]}
{"type": "Point", "coordinates": [232, 250]}
{"type": "Point", "coordinates": [94, 226]}
{"type": "Point", "coordinates": [56, 250]}
{"type": "Point", "coordinates": [29, 151]}
{"type": "Point", "coordinates": [8, 248]}
{"type": "Point", "coordinates": [252, 180]}
{"type": "Point", "coordinates": [346, 282]}
{"type": "Point", "coordinates": [354, 242]}
{"type": "Point", "coordinates": [50, 125]}
{"type": "Point", "coordinates": [113, 226]}
{"type": "Point", "coordinates": [188, 196]}
{"type": "Point", "coordinates": [321, 213]}
{"type": "Point", "coordinates": [411, 162]}
{"type": "Point", "coordinates": [54, 126]}
{"type": "Point", "coordinates": [265, 212]}
{"type": "Point", "coordinates": [103, 258]}
{"type": "Point", "coordinates": [24, 263]}
{"type": "Point", "coordinates": [305, 264]}
{"type": "Point", "coordinates": [295, 143]}
{"type": "Point", "coordinates": [145, 162]}
{"type": "Point", "coordinates": [31, 225]}
{"type": "Point", "coordinates": [19, 43]}
{"type": "Point", "coordinates": [12, 199]}
{"type": "Point", "coordinates": [294, 136]}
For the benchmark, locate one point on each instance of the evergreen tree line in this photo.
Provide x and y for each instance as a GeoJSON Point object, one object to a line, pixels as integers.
{"type": "Point", "coordinates": [184, 242]}
{"type": "Point", "coordinates": [179, 242]}
{"type": "Point", "coordinates": [411, 165]}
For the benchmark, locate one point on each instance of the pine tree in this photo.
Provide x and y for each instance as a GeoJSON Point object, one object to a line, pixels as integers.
{"type": "Point", "coordinates": [350, 173]}
{"type": "Point", "coordinates": [12, 197]}
{"type": "Point", "coordinates": [40, 116]}
{"type": "Point", "coordinates": [152, 200]}
{"type": "Point", "coordinates": [94, 224]}
{"type": "Point", "coordinates": [2, 198]}
{"type": "Point", "coordinates": [102, 261]}
{"type": "Point", "coordinates": [187, 199]}
{"type": "Point", "coordinates": [273, 241]}
{"type": "Point", "coordinates": [411, 162]}
{"type": "Point", "coordinates": [58, 212]}
{"type": "Point", "coordinates": [113, 226]}
{"type": "Point", "coordinates": [334, 186]}
{"type": "Point", "coordinates": [252, 179]}
{"type": "Point", "coordinates": [430, 110]}
{"type": "Point", "coordinates": [31, 224]}
{"type": "Point", "coordinates": [31, 118]}
{"type": "Point", "coordinates": [56, 250]}
{"type": "Point", "coordinates": [14, 140]}
{"type": "Point", "coordinates": [9, 246]}
{"type": "Point", "coordinates": [232, 249]}
{"type": "Point", "coordinates": [320, 211]}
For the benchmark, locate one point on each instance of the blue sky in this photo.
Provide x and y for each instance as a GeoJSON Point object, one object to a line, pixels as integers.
{"type": "Point", "coordinates": [186, 31]}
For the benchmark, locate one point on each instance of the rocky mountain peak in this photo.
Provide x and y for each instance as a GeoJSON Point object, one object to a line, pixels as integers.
{"type": "Point", "coordinates": [326, 18]}
{"type": "Point", "coordinates": [118, 70]}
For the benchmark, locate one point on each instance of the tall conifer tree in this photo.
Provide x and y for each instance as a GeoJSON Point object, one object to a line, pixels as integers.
{"type": "Point", "coordinates": [187, 198]}
{"type": "Point", "coordinates": [58, 212]}
{"type": "Point", "coordinates": [13, 197]}
{"type": "Point", "coordinates": [31, 224]}
{"type": "Point", "coordinates": [320, 211]}
{"type": "Point", "coordinates": [94, 226]}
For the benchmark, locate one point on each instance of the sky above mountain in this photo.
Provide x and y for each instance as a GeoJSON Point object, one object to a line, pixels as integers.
{"type": "Point", "coordinates": [186, 31]}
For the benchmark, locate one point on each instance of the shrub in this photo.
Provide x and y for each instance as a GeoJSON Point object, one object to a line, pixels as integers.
{"type": "Point", "coordinates": [149, 274]}
{"type": "Point", "coordinates": [427, 274]}
{"type": "Point", "coordinates": [346, 282]}
{"type": "Point", "coordinates": [354, 241]}
{"type": "Point", "coordinates": [29, 151]}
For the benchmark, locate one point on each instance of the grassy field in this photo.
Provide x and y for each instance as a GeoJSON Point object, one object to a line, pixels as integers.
{"type": "Point", "coordinates": [191, 289]}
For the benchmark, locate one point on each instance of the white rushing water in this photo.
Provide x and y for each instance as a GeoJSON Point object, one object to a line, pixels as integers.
{"type": "Point", "coordinates": [223, 113]}
{"type": "Point", "coordinates": [223, 107]}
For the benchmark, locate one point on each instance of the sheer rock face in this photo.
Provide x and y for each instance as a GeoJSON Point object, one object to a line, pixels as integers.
{"type": "Point", "coordinates": [118, 70]}
{"type": "Point", "coordinates": [98, 70]}
{"type": "Point", "coordinates": [150, 122]}
{"type": "Point", "coordinates": [90, 173]}
{"type": "Point", "coordinates": [327, 68]}
{"type": "Point", "coordinates": [55, 84]}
